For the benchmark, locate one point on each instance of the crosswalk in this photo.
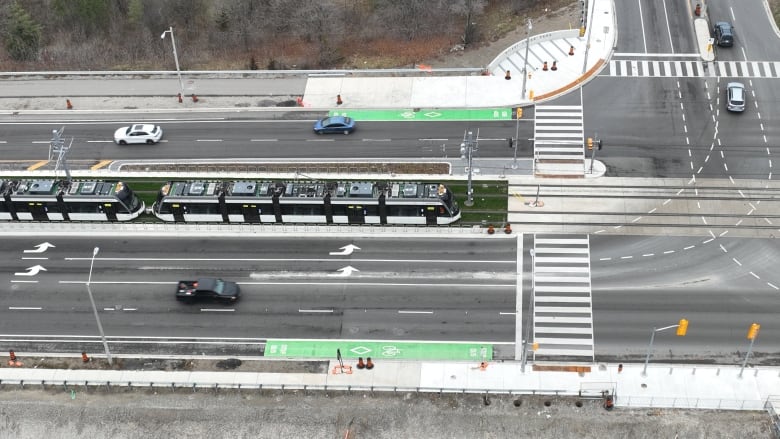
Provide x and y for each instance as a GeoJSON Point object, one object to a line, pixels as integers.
{"type": "Point", "coordinates": [693, 68]}
{"type": "Point", "coordinates": [562, 306]}
{"type": "Point", "coordinates": [558, 140]}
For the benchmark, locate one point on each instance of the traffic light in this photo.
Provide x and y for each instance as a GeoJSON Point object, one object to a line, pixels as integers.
{"type": "Point", "coordinates": [599, 144]}
{"type": "Point", "coordinates": [511, 142]}
{"type": "Point", "coordinates": [753, 331]}
{"type": "Point", "coordinates": [590, 142]}
{"type": "Point", "coordinates": [682, 328]}
{"type": "Point", "coordinates": [519, 112]}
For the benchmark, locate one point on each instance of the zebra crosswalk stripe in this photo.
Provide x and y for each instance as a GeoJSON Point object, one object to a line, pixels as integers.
{"type": "Point", "coordinates": [693, 68]}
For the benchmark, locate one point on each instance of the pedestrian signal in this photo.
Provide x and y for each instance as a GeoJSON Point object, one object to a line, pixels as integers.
{"type": "Point", "coordinates": [590, 142]}
{"type": "Point", "coordinates": [682, 328]}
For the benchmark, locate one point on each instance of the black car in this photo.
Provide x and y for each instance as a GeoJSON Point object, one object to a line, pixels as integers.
{"type": "Point", "coordinates": [724, 34]}
{"type": "Point", "coordinates": [208, 288]}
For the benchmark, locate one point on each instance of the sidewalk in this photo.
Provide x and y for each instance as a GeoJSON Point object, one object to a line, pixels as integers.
{"type": "Point", "coordinates": [670, 386]}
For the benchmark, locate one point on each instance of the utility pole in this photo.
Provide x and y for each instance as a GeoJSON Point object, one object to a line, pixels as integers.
{"type": "Point", "coordinates": [467, 149]}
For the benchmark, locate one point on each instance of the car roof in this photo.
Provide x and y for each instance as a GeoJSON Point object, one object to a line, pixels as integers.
{"type": "Point", "coordinates": [142, 127]}
{"type": "Point", "coordinates": [337, 119]}
{"type": "Point", "coordinates": [735, 84]}
{"type": "Point", "coordinates": [724, 25]}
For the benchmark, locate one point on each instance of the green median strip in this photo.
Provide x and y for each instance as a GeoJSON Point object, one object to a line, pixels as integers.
{"type": "Point", "coordinates": [427, 115]}
{"type": "Point", "coordinates": [385, 349]}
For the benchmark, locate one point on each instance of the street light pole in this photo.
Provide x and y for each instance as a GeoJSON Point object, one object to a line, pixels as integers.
{"type": "Point", "coordinates": [527, 43]}
{"type": "Point", "coordinates": [175, 56]}
{"type": "Point", "coordinates": [94, 308]}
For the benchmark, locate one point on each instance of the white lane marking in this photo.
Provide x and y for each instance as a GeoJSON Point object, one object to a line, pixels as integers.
{"type": "Point", "coordinates": [334, 283]}
{"type": "Point", "coordinates": [507, 313]}
{"type": "Point", "coordinates": [27, 258]}
{"type": "Point", "coordinates": [316, 310]}
{"type": "Point", "coordinates": [216, 310]}
{"type": "Point", "coordinates": [437, 261]}
{"type": "Point", "coordinates": [263, 140]}
{"type": "Point", "coordinates": [400, 311]}
{"type": "Point", "coordinates": [29, 308]}
{"type": "Point", "coordinates": [100, 141]}
{"type": "Point", "coordinates": [377, 140]}
{"type": "Point", "coordinates": [208, 140]}
{"type": "Point", "coordinates": [25, 282]}
{"type": "Point", "coordinates": [319, 140]}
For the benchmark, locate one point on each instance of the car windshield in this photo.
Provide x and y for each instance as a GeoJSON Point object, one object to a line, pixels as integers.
{"type": "Point", "coordinates": [219, 287]}
{"type": "Point", "coordinates": [327, 121]}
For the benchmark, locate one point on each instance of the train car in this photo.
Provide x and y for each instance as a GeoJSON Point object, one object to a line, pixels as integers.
{"type": "Point", "coordinates": [306, 202]}
{"type": "Point", "coordinates": [62, 200]}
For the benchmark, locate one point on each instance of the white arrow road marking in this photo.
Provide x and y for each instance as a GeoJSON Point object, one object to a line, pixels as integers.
{"type": "Point", "coordinates": [40, 248]}
{"type": "Point", "coordinates": [31, 271]}
{"type": "Point", "coordinates": [344, 272]}
{"type": "Point", "coordinates": [346, 250]}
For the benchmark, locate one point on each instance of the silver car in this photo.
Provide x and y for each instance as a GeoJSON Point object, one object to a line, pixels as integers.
{"type": "Point", "coordinates": [735, 96]}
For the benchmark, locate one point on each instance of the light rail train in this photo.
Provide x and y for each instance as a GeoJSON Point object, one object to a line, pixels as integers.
{"type": "Point", "coordinates": [348, 202]}
{"type": "Point", "coordinates": [62, 200]}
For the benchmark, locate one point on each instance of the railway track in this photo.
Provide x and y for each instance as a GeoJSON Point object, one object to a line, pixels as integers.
{"type": "Point", "coordinates": [744, 208]}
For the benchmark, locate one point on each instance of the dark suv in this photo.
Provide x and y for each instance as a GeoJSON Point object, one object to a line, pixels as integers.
{"type": "Point", "coordinates": [724, 34]}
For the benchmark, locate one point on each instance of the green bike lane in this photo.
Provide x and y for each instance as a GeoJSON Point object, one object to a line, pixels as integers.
{"type": "Point", "coordinates": [378, 349]}
{"type": "Point", "coordinates": [427, 115]}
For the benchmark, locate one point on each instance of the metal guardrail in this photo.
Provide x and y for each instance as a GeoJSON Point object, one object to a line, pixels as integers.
{"type": "Point", "coordinates": [244, 74]}
{"type": "Point", "coordinates": [691, 403]}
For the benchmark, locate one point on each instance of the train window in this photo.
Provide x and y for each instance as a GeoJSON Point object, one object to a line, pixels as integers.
{"type": "Point", "coordinates": [21, 206]}
{"type": "Point", "coordinates": [202, 208]}
{"type": "Point", "coordinates": [339, 209]}
{"type": "Point", "coordinates": [413, 211]}
{"type": "Point", "coordinates": [4, 207]}
{"type": "Point", "coordinates": [371, 210]}
{"type": "Point", "coordinates": [164, 208]}
{"type": "Point", "coordinates": [303, 209]}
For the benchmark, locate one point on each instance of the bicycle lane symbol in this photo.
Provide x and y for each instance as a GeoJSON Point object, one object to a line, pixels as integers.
{"type": "Point", "coordinates": [390, 351]}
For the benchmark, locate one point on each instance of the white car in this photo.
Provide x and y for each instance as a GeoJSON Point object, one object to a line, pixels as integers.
{"type": "Point", "coordinates": [138, 133]}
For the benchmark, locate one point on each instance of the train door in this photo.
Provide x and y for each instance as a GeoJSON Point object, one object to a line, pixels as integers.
{"type": "Point", "coordinates": [328, 209]}
{"type": "Point", "coordinates": [110, 210]}
{"type": "Point", "coordinates": [277, 207]}
{"type": "Point", "coordinates": [430, 215]}
{"type": "Point", "coordinates": [251, 215]}
{"type": "Point", "coordinates": [178, 212]}
{"type": "Point", "coordinates": [382, 209]}
{"type": "Point", "coordinates": [356, 215]}
{"type": "Point", "coordinates": [38, 212]}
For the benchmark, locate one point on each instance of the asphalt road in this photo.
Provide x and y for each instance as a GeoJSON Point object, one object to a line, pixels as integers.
{"type": "Point", "coordinates": [411, 289]}
{"type": "Point", "coordinates": [401, 289]}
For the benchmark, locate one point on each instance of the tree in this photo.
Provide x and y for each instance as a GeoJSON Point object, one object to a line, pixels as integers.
{"type": "Point", "coordinates": [23, 35]}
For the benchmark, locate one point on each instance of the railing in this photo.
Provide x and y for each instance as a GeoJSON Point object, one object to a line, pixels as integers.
{"type": "Point", "coordinates": [234, 229]}
{"type": "Point", "coordinates": [520, 45]}
{"type": "Point", "coordinates": [690, 403]}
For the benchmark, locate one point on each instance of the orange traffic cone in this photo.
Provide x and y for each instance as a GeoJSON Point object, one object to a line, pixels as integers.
{"type": "Point", "coordinates": [369, 363]}
{"type": "Point", "coordinates": [571, 50]}
{"type": "Point", "coordinates": [179, 96]}
{"type": "Point", "coordinates": [491, 230]}
{"type": "Point", "coordinates": [544, 66]}
{"type": "Point", "coordinates": [194, 98]}
{"type": "Point", "coordinates": [360, 364]}
{"type": "Point", "coordinates": [338, 100]}
{"type": "Point", "coordinates": [698, 10]}
{"type": "Point", "coordinates": [84, 357]}
{"type": "Point", "coordinates": [68, 104]}
{"type": "Point", "coordinates": [508, 75]}
{"type": "Point", "coordinates": [554, 66]}
{"type": "Point", "coordinates": [508, 229]}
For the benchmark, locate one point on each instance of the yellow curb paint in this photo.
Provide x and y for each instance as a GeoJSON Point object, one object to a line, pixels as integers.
{"type": "Point", "coordinates": [38, 165]}
{"type": "Point", "coordinates": [101, 164]}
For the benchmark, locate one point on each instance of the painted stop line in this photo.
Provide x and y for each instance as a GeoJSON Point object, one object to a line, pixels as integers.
{"type": "Point", "coordinates": [383, 349]}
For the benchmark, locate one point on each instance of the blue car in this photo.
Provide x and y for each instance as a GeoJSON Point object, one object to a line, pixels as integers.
{"type": "Point", "coordinates": [335, 124]}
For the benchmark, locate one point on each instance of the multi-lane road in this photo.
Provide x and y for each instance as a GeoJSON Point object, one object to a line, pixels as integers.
{"type": "Point", "coordinates": [393, 288]}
